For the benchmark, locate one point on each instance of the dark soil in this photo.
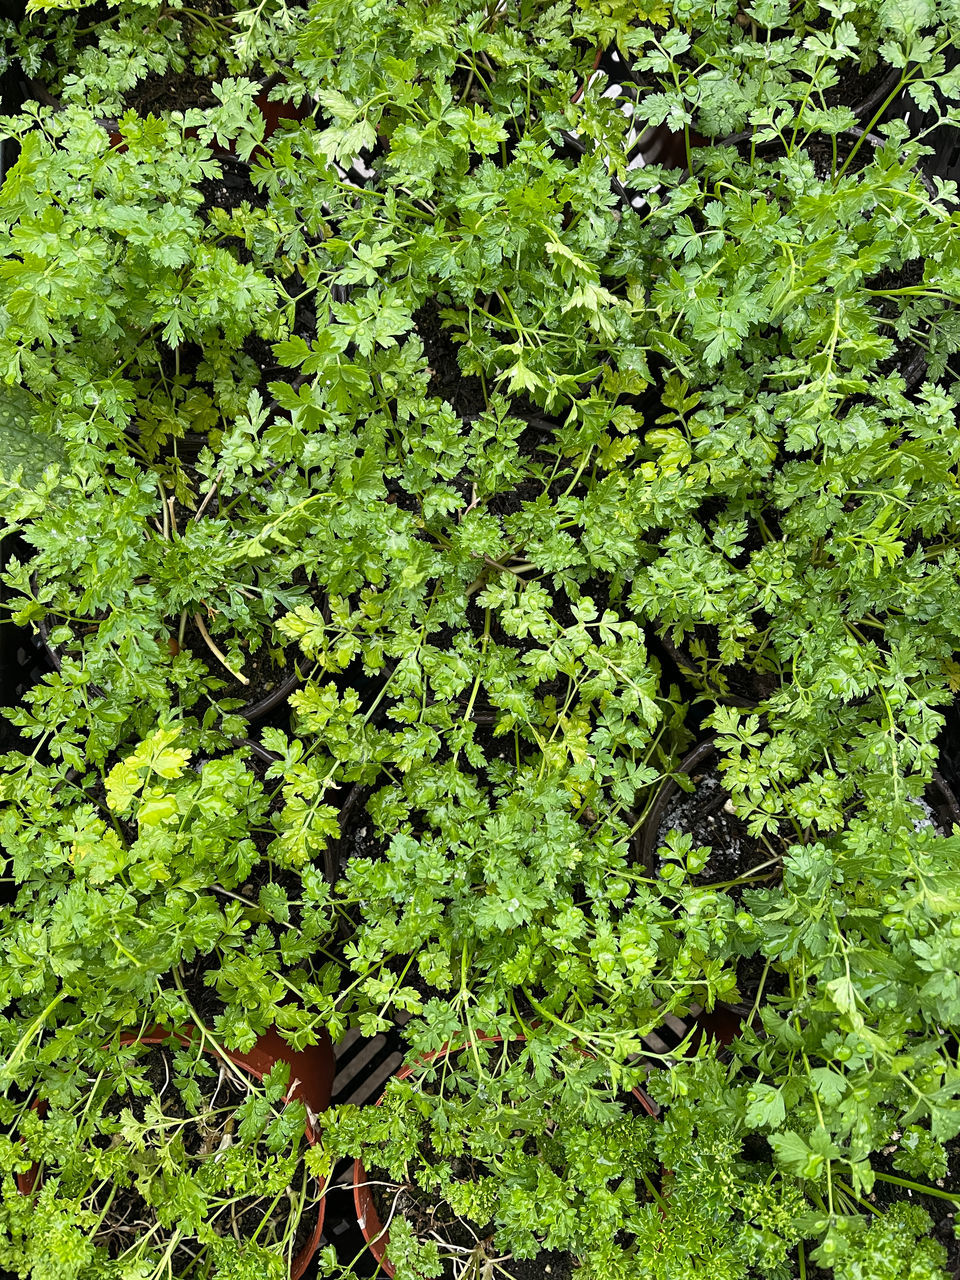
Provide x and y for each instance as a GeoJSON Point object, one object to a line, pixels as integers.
{"type": "Point", "coordinates": [859, 90]}
{"type": "Point", "coordinates": [426, 1216]}
{"type": "Point", "coordinates": [168, 91]}
{"type": "Point", "coordinates": [158, 91]}
{"type": "Point", "coordinates": [821, 152]}
{"type": "Point", "coordinates": [429, 1220]}
{"type": "Point", "coordinates": [945, 1230]}
{"type": "Point", "coordinates": [545, 1266]}
{"type": "Point", "coordinates": [264, 675]}
{"type": "Point", "coordinates": [92, 790]}
{"type": "Point", "coordinates": [942, 1212]}
{"type": "Point", "coordinates": [358, 839]}
{"type": "Point", "coordinates": [204, 999]}
{"type": "Point", "coordinates": [233, 188]}
{"type": "Point", "coordinates": [856, 89]}
{"type": "Point", "coordinates": [179, 91]}
{"type": "Point", "coordinates": [129, 1215]}
{"type": "Point", "coordinates": [182, 366]}
{"type": "Point", "coordinates": [948, 745]}
{"type": "Point", "coordinates": [749, 976]}
{"type": "Point", "coordinates": [707, 814]}
{"type": "Point", "coordinates": [463, 394]}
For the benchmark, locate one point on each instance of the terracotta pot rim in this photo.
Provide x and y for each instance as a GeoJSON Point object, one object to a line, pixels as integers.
{"type": "Point", "coordinates": [257, 1061]}
{"type": "Point", "coordinates": [376, 1236]}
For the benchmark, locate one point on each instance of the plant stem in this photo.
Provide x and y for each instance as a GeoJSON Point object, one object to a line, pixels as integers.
{"type": "Point", "coordinates": [919, 1187]}
{"type": "Point", "coordinates": [217, 652]}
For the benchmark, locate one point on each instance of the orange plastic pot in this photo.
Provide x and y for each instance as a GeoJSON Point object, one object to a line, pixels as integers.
{"type": "Point", "coordinates": [376, 1235]}
{"type": "Point", "coordinates": [311, 1082]}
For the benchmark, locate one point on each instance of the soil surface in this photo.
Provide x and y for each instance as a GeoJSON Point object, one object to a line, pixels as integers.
{"type": "Point", "coordinates": [707, 814]}
{"type": "Point", "coordinates": [856, 89]}
{"type": "Point", "coordinates": [255, 364]}
{"type": "Point", "coordinates": [821, 152]}
{"type": "Point", "coordinates": [264, 675]}
{"type": "Point", "coordinates": [948, 744]}
{"type": "Point", "coordinates": [464, 395]}
{"type": "Point", "coordinates": [358, 838]}
{"type": "Point", "coordinates": [164, 91]}
{"type": "Point", "coordinates": [233, 188]}
{"type": "Point", "coordinates": [172, 91]}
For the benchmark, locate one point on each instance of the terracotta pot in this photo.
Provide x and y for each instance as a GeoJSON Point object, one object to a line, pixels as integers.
{"type": "Point", "coordinates": [311, 1082]}
{"type": "Point", "coordinates": [721, 1025]}
{"type": "Point", "coordinates": [374, 1233]}
{"type": "Point", "coordinates": [273, 112]}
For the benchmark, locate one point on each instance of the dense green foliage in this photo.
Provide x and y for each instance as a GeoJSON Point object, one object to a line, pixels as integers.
{"type": "Point", "coordinates": [527, 465]}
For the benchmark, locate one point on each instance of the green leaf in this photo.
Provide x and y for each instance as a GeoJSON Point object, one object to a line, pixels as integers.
{"type": "Point", "coordinates": [765, 1107]}
{"type": "Point", "coordinates": [23, 442]}
{"type": "Point", "coordinates": [794, 1154]}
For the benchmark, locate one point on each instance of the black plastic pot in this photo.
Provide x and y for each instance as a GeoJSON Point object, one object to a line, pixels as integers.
{"type": "Point", "coordinates": [253, 711]}
{"type": "Point", "coordinates": [272, 112]}
{"type": "Point", "coordinates": [573, 143]}
{"type": "Point", "coordinates": [939, 796]}
{"type": "Point", "coordinates": [945, 138]}
{"type": "Point", "coordinates": [913, 364]}
{"type": "Point", "coordinates": [689, 670]}
{"type": "Point", "coordinates": [867, 107]}
{"type": "Point", "coordinates": [11, 87]}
